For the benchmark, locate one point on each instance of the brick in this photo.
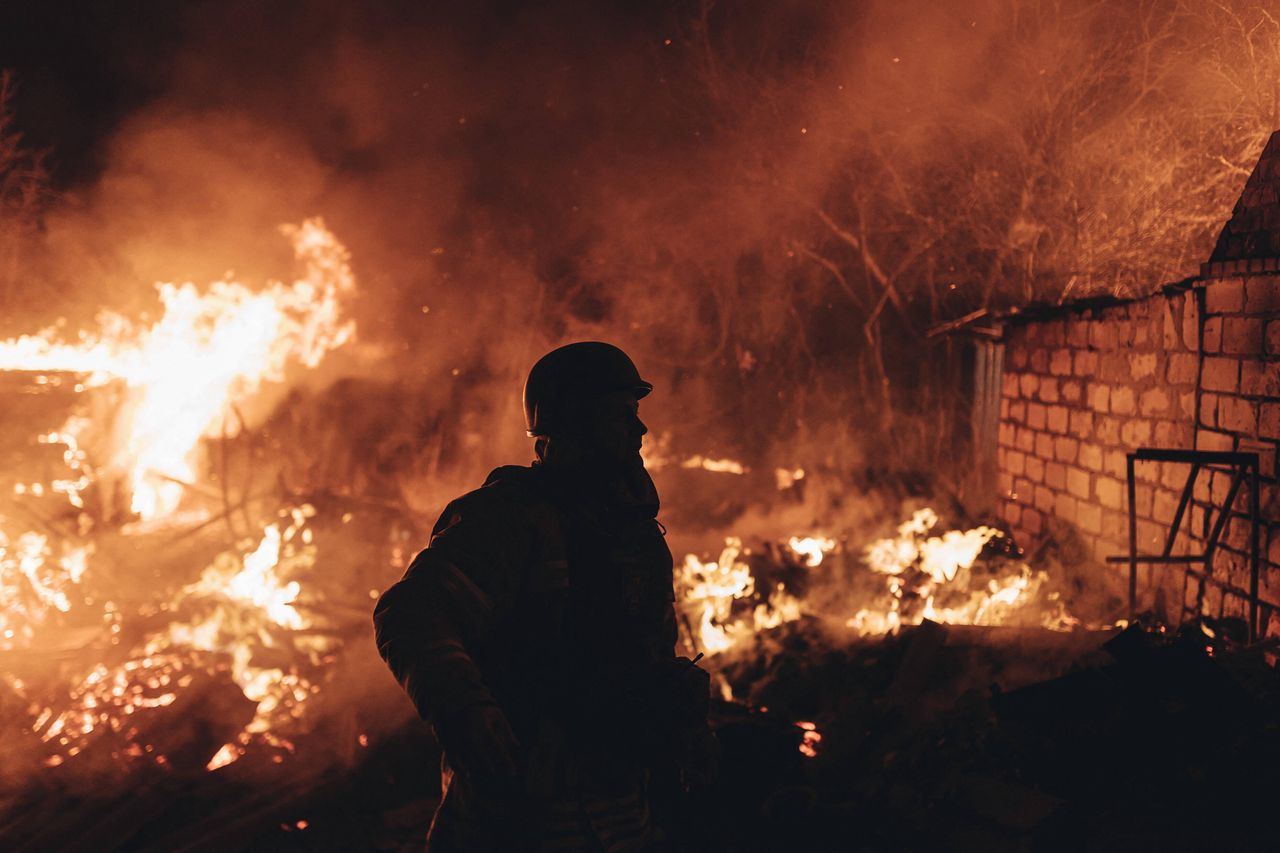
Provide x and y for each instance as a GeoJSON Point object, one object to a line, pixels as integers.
{"type": "Point", "coordinates": [1269, 420]}
{"type": "Point", "coordinates": [1115, 526]}
{"type": "Point", "coordinates": [1150, 535]}
{"type": "Point", "coordinates": [1136, 433]}
{"type": "Point", "coordinates": [1023, 488]}
{"type": "Point", "coordinates": [1071, 391]}
{"type": "Point", "coordinates": [1010, 385]}
{"type": "Point", "coordinates": [1060, 362]}
{"type": "Point", "coordinates": [1089, 518]}
{"type": "Point", "coordinates": [1208, 410]}
{"type": "Point", "coordinates": [1142, 333]}
{"type": "Point", "coordinates": [1086, 364]}
{"type": "Point", "coordinates": [1048, 389]}
{"type": "Point", "coordinates": [1187, 405]}
{"type": "Point", "coordinates": [1115, 369]}
{"type": "Point", "coordinates": [1237, 415]}
{"type": "Point", "coordinates": [1181, 369]}
{"type": "Point", "coordinates": [1032, 521]}
{"type": "Point", "coordinates": [1273, 337]}
{"type": "Point", "coordinates": [1077, 334]}
{"type": "Point", "coordinates": [1044, 498]}
{"type": "Point", "coordinates": [1174, 434]}
{"type": "Point", "coordinates": [1081, 423]}
{"type": "Point", "coordinates": [1079, 483]}
{"type": "Point", "coordinates": [1035, 469]}
{"type": "Point", "coordinates": [1115, 463]}
{"type": "Point", "coordinates": [1090, 457]}
{"type": "Point", "coordinates": [1262, 295]}
{"type": "Point", "coordinates": [1242, 335]}
{"type": "Point", "coordinates": [1040, 360]}
{"type": "Point", "coordinates": [1212, 335]}
{"type": "Point", "coordinates": [1052, 334]}
{"type": "Point", "coordinates": [1154, 402]}
{"type": "Point", "coordinates": [1221, 374]}
{"type": "Point", "coordinates": [1055, 475]}
{"type": "Point", "coordinates": [1123, 401]}
{"type": "Point", "coordinates": [1037, 415]}
{"type": "Point", "coordinates": [1201, 490]}
{"type": "Point", "coordinates": [1064, 507]}
{"type": "Point", "coordinates": [1142, 365]}
{"type": "Point", "coordinates": [1057, 419]}
{"type": "Point", "coordinates": [1004, 408]}
{"type": "Point", "coordinates": [1006, 483]}
{"type": "Point", "coordinates": [1124, 330]}
{"type": "Point", "coordinates": [1142, 498]}
{"type": "Point", "coordinates": [1174, 475]}
{"type": "Point", "coordinates": [1065, 449]}
{"type": "Point", "coordinates": [1110, 492]}
{"type": "Point", "coordinates": [1107, 430]}
{"type": "Point", "coordinates": [1225, 296]}
{"type": "Point", "coordinates": [1011, 512]}
{"type": "Point", "coordinates": [1260, 379]}
{"type": "Point", "coordinates": [1102, 335]}
{"type": "Point", "coordinates": [1044, 445]}
{"type": "Point", "coordinates": [1017, 356]}
{"type": "Point", "coordinates": [1100, 397]}
{"type": "Point", "coordinates": [1004, 437]}
{"type": "Point", "coordinates": [1018, 412]}
{"type": "Point", "coordinates": [1027, 384]}
{"type": "Point", "coordinates": [1165, 505]}
{"type": "Point", "coordinates": [1026, 440]}
{"type": "Point", "coordinates": [1015, 463]}
{"type": "Point", "coordinates": [1210, 440]}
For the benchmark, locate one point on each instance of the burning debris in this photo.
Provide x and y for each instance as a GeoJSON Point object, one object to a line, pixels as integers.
{"type": "Point", "coordinates": [962, 577]}
{"type": "Point", "coordinates": [156, 396]}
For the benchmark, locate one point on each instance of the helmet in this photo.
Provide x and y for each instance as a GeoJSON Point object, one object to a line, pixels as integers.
{"type": "Point", "coordinates": [576, 372]}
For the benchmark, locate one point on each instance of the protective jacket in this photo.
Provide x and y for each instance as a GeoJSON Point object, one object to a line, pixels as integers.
{"type": "Point", "coordinates": [550, 597]}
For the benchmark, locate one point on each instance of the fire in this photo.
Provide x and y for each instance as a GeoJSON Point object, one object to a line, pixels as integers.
{"type": "Point", "coordinates": [709, 590]}
{"type": "Point", "coordinates": [245, 606]}
{"type": "Point", "coordinates": [246, 618]}
{"type": "Point", "coordinates": [812, 548]}
{"type": "Point", "coordinates": [719, 466]}
{"type": "Point", "coordinates": [902, 580]}
{"type": "Point", "coordinates": [33, 583]}
{"type": "Point", "coordinates": [207, 351]}
{"type": "Point", "coordinates": [928, 577]}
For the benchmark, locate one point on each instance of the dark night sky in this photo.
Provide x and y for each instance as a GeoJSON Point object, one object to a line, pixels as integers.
{"type": "Point", "coordinates": [82, 67]}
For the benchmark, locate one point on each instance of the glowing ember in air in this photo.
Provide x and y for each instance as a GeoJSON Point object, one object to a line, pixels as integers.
{"type": "Point", "coordinates": [810, 740]}
{"type": "Point", "coordinates": [207, 351]}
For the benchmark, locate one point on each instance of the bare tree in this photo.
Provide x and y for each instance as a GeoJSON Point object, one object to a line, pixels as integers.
{"type": "Point", "coordinates": [24, 194]}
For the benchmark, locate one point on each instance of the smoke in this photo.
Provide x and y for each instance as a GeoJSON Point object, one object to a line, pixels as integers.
{"type": "Point", "coordinates": [512, 176]}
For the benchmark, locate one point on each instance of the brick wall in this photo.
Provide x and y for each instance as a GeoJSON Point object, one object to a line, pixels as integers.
{"type": "Point", "coordinates": [1193, 366]}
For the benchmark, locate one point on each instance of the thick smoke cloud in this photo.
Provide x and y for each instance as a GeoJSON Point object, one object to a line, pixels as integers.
{"type": "Point", "coordinates": [510, 176]}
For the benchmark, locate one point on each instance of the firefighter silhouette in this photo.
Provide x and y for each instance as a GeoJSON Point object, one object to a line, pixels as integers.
{"type": "Point", "coordinates": [536, 632]}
